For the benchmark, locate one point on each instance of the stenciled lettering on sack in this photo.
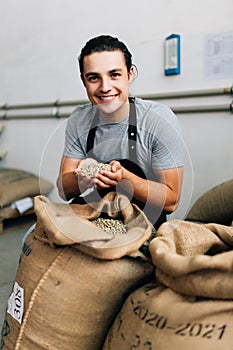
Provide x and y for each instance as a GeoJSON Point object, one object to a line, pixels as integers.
{"type": "Point", "coordinates": [26, 249]}
{"type": "Point", "coordinates": [16, 303]}
{"type": "Point", "coordinates": [197, 329]}
{"type": "Point", "coordinates": [138, 341]}
{"type": "Point", "coordinates": [4, 333]}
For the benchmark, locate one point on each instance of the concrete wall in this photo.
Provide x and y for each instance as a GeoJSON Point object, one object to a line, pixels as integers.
{"type": "Point", "coordinates": [40, 41]}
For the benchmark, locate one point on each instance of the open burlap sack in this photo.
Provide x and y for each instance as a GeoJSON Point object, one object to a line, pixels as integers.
{"type": "Point", "coordinates": [63, 298]}
{"type": "Point", "coordinates": [156, 317]}
{"type": "Point", "coordinates": [194, 259]}
{"type": "Point", "coordinates": [63, 224]}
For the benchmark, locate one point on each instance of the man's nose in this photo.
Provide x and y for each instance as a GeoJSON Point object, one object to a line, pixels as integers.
{"type": "Point", "coordinates": [105, 85]}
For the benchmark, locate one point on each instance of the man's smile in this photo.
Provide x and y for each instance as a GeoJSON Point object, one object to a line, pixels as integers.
{"type": "Point", "coordinates": [107, 98]}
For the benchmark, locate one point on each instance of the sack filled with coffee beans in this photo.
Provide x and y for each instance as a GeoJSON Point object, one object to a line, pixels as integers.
{"type": "Point", "coordinates": [194, 259]}
{"type": "Point", "coordinates": [190, 304]}
{"type": "Point", "coordinates": [62, 297]}
{"type": "Point", "coordinates": [78, 225]}
{"type": "Point", "coordinates": [156, 317]}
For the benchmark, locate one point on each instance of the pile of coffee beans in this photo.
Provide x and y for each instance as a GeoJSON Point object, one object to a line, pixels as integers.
{"type": "Point", "coordinates": [114, 226]}
{"type": "Point", "coordinates": [91, 169]}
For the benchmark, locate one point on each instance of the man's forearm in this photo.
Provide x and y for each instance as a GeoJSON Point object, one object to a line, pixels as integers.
{"type": "Point", "coordinates": [156, 193]}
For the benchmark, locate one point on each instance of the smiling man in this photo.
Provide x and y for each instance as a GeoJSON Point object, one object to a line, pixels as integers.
{"type": "Point", "coordinates": [141, 140]}
{"type": "Point", "coordinates": [107, 80]}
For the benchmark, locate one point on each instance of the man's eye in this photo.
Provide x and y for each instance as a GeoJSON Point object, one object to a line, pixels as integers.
{"type": "Point", "coordinates": [92, 78]}
{"type": "Point", "coordinates": [115, 75]}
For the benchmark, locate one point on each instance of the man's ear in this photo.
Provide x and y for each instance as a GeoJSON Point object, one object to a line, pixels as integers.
{"type": "Point", "coordinates": [131, 74]}
{"type": "Point", "coordinates": [82, 78]}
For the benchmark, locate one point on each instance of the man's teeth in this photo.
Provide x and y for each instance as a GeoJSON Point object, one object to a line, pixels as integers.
{"type": "Point", "coordinates": [107, 98]}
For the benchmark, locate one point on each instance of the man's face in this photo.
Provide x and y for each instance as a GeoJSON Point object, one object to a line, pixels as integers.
{"type": "Point", "coordinates": [107, 80]}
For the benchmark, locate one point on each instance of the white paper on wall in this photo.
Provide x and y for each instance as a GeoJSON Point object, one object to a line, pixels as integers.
{"type": "Point", "coordinates": [218, 55]}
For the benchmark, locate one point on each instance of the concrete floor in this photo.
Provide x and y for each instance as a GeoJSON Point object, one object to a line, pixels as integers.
{"type": "Point", "coordinates": [10, 248]}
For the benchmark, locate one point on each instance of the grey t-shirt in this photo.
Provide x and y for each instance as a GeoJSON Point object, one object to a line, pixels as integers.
{"type": "Point", "coordinates": [159, 140]}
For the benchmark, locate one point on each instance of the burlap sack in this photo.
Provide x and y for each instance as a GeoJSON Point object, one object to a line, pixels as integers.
{"type": "Point", "coordinates": [155, 317]}
{"type": "Point", "coordinates": [215, 205]}
{"type": "Point", "coordinates": [194, 259]}
{"type": "Point", "coordinates": [16, 184]}
{"type": "Point", "coordinates": [69, 224]}
{"type": "Point", "coordinates": [70, 298]}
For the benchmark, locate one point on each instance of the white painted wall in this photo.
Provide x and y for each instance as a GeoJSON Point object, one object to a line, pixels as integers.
{"type": "Point", "coordinates": [39, 43]}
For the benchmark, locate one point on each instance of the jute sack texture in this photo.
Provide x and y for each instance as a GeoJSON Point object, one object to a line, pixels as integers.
{"type": "Point", "coordinates": [156, 317]}
{"type": "Point", "coordinates": [194, 259]}
{"type": "Point", "coordinates": [16, 184]}
{"type": "Point", "coordinates": [215, 205]}
{"type": "Point", "coordinates": [72, 224]}
{"type": "Point", "coordinates": [70, 298]}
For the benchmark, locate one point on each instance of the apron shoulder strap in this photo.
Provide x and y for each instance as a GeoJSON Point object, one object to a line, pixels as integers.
{"type": "Point", "coordinates": [132, 131]}
{"type": "Point", "coordinates": [91, 134]}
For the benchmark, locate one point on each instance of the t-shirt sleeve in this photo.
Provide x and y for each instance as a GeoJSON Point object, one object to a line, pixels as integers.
{"type": "Point", "coordinates": [168, 145]}
{"type": "Point", "coordinates": [74, 142]}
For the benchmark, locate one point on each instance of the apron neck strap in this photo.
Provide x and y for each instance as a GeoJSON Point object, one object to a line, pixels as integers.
{"type": "Point", "coordinates": [132, 131]}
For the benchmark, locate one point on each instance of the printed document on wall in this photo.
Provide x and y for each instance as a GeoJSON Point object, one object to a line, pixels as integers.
{"type": "Point", "coordinates": [218, 55]}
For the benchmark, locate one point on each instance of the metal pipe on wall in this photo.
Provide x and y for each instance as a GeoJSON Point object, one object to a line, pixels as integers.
{"type": "Point", "coordinates": [177, 109]}
{"type": "Point", "coordinates": [203, 108]}
{"type": "Point", "coordinates": [191, 93]}
{"type": "Point", "coordinates": [165, 95]}
{"type": "Point", "coordinates": [56, 104]}
{"type": "Point", "coordinates": [35, 116]}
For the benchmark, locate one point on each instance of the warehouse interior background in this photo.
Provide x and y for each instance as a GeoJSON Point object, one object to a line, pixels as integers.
{"type": "Point", "coordinates": [40, 42]}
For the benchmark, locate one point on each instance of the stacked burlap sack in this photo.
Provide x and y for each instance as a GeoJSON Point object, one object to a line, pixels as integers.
{"type": "Point", "coordinates": [73, 277]}
{"type": "Point", "coordinates": [214, 205]}
{"type": "Point", "coordinates": [189, 305]}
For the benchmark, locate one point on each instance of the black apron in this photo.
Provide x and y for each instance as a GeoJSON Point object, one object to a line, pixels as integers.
{"type": "Point", "coordinates": [129, 164]}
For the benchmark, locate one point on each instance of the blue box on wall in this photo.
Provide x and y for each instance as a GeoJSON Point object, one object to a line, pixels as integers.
{"type": "Point", "coordinates": [172, 55]}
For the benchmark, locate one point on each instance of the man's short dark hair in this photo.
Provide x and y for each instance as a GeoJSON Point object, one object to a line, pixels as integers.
{"type": "Point", "coordinates": [104, 43]}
